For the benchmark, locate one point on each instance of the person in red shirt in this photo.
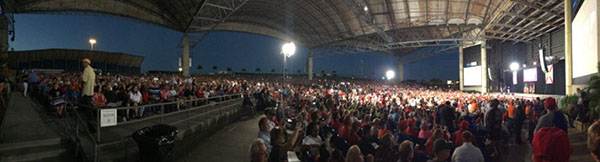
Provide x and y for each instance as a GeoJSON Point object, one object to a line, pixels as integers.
{"type": "Point", "coordinates": [335, 122]}
{"type": "Point", "coordinates": [410, 129]}
{"type": "Point", "coordinates": [437, 134]}
{"type": "Point", "coordinates": [345, 130]}
{"type": "Point", "coordinates": [464, 125]}
{"type": "Point", "coordinates": [353, 137]}
{"type": "Point", "coordinates": [383, 129]}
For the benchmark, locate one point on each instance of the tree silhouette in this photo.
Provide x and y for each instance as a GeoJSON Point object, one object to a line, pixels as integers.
{"type": "Point", "coordinates": [243, 69]}
{"type": "Point", "coordinates": [272, 70]}
{"type": "Point", "coordinates": [257, 69]}
{"type": "Point", "coordinates": [286, 70]}
{"type": "Point", "coordinates": [298, 71]}
{"type": "Point", "coordinates": [228, 68]}
{"type": "Point", "coordinates": [322, 71]}
{"type": "Point", "coordinates": [333, 72]}
{"type": "Point", "coordinates": [199, 67]}
{"type": "Point", "coordinates": [214, 67]}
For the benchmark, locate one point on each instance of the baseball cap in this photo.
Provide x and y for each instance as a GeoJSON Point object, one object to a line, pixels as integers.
{"type": "Point", "coordinates": [441, 145]}
{"type": "Point", "coordinates": [550, 102]}
{"type": "Point", "coordinates": [86, 60]}
{"type": "Point", "coordinates": [551, 144]}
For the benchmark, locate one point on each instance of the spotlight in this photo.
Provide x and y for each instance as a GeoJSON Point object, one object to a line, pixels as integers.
{"type": "Point", "coordinates": [514, 66]}
{"type": "Point", "coordinates": [390, 74]}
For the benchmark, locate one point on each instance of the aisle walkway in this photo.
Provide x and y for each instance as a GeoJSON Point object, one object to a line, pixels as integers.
{"type": "Point", "coordinates": [231, 143]}
{"type": "Point", "coordinates": [23, 122]}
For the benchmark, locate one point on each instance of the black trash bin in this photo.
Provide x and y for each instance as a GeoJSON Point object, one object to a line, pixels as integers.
{"type": "Point", "coordinates": [155, 142]}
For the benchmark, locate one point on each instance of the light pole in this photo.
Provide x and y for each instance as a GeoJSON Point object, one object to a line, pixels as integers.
{"type": "Point", "coordinates": [92, 42]}
{"type": "Point", "coordinates": [288, 49]}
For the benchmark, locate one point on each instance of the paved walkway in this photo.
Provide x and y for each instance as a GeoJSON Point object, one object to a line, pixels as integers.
{"type": "Point", "coordinates": [24, 122]}
{"type": "Point", "coordinates": [231, 143]}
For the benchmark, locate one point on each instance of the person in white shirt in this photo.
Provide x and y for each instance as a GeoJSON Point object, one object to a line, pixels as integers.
{"type": "Point", "coordinates": [313, 140]}
{"type": "Point", "coordinates": [135, 96]}
{"type": "Point", "coordinates": [467, 152]}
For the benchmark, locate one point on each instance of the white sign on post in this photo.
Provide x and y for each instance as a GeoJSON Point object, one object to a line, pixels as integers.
{"type": "Point", "coordinates": [108, 117]}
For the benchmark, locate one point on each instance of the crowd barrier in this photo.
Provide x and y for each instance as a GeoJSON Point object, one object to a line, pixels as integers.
{"type": "Point", "coordinates": [107, 117]}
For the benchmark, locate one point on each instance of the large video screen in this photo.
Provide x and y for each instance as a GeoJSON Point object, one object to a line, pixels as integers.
{"type": "Point", "coordinates": [530, 75]}
{"type": "Point", "coordinates": [585, 40]}
{"type": "Point", "coordinates": [472, 76]}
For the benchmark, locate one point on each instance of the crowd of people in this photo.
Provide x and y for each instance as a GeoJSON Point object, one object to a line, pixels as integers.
{"type": "Point", "coordinates": [333, 119]}
{"type": "Point", "coordinates": [120, 90]}
{"type": "Point", "coordinates": [361, 120]}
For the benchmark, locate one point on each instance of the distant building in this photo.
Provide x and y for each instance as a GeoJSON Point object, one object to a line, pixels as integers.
{"type": "Point", "coordinates": [69, 60]}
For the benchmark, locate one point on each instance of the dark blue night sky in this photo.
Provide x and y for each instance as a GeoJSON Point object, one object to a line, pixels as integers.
{"type": "Point", "coordinates": [221, 49]}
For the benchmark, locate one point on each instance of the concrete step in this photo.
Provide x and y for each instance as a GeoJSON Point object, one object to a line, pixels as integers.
{"type": "Point", "coordinates": [42, 150]}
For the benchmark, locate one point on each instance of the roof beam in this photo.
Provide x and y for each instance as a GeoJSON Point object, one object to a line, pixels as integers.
{"type": "Point", "coordinates": [339, 32]}
{"type": "Point", "coordinates": [367, 19]}
{"type": "Point", "coordinates": [531, 21]}
{"type": "Point", "coordinates": [391, 13]}
{"type": "Point", "coordinates": [467, 12]}
{"type": "Point", "coordinates": [407, 12]}
{"type": "Point", "coordinates": [339, 15]}
{"type": "Point", "coordinates": [503, 38]}
{"type": "Point", "coordinates": [532, 5]}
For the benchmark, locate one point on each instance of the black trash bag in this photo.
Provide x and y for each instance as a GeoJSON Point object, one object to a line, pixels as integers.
{"type": "Point", "coordinates": [155, 142]}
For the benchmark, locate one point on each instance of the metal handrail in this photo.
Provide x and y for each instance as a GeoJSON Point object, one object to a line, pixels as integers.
{"type": "Point", "coordinates": [96, 140]}
{"type": "Point", "coordinates": [169, 103]}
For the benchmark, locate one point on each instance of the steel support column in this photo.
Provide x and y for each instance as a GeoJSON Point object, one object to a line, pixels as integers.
{"type": "Point", "coordinates": [4, 40]}
{"type": "Point", "coordinates": [461, 78]}
{"type": "Point", "coordinates": [309, 66]}
{"type": "Point", "coordinates": [568, 46]}
{"type": "Point", "coordinates": [185, 59]}
{"type": "Point", "coordinates": [400, 70]}
{"type": "Point", "coordinates": [484, 75]}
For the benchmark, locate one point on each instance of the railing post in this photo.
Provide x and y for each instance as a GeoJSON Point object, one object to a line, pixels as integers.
{"type": "Point", "coordinates": [188, 118]}
{"type": "Point", "coordinates": [76, 137]}
{"type": "Point", "coordinates": [162, 113]}
{"type": "Point", "coordinates": [97, 150]}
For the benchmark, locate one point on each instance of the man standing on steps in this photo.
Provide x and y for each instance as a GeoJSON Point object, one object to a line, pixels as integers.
{"type": "Point", "coordinates": [88, 78]}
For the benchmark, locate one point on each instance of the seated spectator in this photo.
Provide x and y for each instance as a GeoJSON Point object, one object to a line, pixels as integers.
{"type": "Point", "coordinates": [98, 99]}
{"type": "Point", "coordinates": [467, 152]}
{"type": "Point", "coordinates": [366, 142]}
{"type": "Point", "coordinates": [354, 154]}
{"type": "Point", "coordinates": [57, 99]}
{"type": "Point", "coordinates": [258, 151]}
{"type": "Point", "coordinates": [441, 150]}
{"type": "Point", "coordinates": [406, 151]}
{"type": "Point", "coordinates": [337, 156]}
{"type": "Point", "coordinates": [264, 132]}
{"type": "Point", "coordinates": [135, 98]}
{"type": "Point", "coordinates": [593, 140]}
{"type": "Point", "coordinates": [281, 145]}
{"type": "Point", "coordinates": [551, 144]}
{"type": "Point", "coordinates": [313, 140]}
{"type": "Point", "coordinates": [386, 151]}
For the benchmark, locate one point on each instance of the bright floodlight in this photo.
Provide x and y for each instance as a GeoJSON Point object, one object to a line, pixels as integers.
{"type": "Point", "coordinates": [514, 66]}
{"type": "Point", "coordinates": [288, 49]}
{"type": "Point", "coordinates": [180, 69]}
{"type": "Point", "coordinates": [390, 74]}
{"type": "Point", "coordinates": [92, 41]}
{"type": "Point", "coordinates": [366, 8]}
